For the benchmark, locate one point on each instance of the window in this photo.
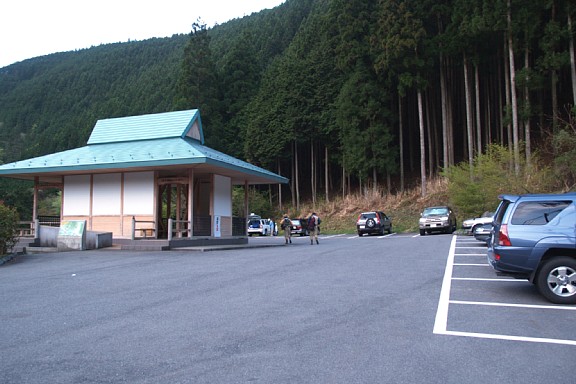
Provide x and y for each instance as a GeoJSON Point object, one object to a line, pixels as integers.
{"type": "Point", "coordinates": [537, 212]}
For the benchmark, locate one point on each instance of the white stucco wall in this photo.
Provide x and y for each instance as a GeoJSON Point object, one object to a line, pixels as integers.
{"type": "Point", "coordinates": [139, 193]}
{"type": "Point", "coordinates": [76, 199]}
{"type": "Point", "coordinates": [106, 194]}
{"type": "Point", "coordinates": [222, 196]}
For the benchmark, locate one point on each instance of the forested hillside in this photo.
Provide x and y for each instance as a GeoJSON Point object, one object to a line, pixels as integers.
{"type": "Point", "coordinates": [336, 95]}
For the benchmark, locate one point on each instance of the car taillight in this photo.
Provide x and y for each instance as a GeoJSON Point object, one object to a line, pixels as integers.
{"type": "Point", "coordinates": [503, 238]}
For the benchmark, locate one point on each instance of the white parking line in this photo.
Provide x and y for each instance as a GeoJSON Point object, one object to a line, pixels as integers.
{"type": "Point", "coordinates": [331, 236]}
{"type": "Point", "coordinates": [388, 235]}
{"type": "Point", "coordinates": [508, 337]}
{"type": "Point", "coordinates": [488, 304]}
{"type": "Point", "coordinates": [441, 321]}
{"type": "Point", "coordinates": [484, 279]}
{"type": "Point", "coordinates": [471, 265]}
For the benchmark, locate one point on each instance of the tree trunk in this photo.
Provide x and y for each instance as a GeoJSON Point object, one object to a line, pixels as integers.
{"type": "Point", "coordinates": [279, 191]}
{"type": "Point", "coordinates": [293, 178]}
{"type": "Point", "coordinates": [527, 106]}
{"type": "Point", "coordinates": [422, 144]}
{"type": "Point", "coordinates": [374, 180]}
{"type": "Point", "coordinates": [432, 147]}
{"type": "Point", "coordinates": [343, 182]}
{"type": "Point", "coordinates": [513, 92]}
{"type": "Point", "coordinates": [470, 141]}
{"type": "Point", "coordinates": [445, 157]}
{"type": "Point", "coordinates": [296, 175]}
{"type": "Point", "coordinates": [401, 144]}
{"type": "Point", "coordinates": [326, 173]}
{"type": "Point", "coordinates": [313, 174]}
{"type": "Point", "coordinates": [572, 60]}
{"type": "Point", "coordinates": [478, 120]}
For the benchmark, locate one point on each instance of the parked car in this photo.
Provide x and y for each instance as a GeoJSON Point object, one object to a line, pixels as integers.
{"type": "Point", "coordinates": [470, 225]}
{"type": "Point", "coordinates": [534, 238]}
{"type": "Point", "coordinates": [437, 219]}
{"type": "Point", "coordinates": [299, 227]}
{"type": "Point", "coordinates": [373, 222]}
{"type": "Point", "coordinates": [260, 227]}
{"type": "Point", "coordinates": [482, 232]}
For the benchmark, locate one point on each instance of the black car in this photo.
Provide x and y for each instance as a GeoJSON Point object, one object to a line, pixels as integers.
{"type": "Point", "coordinates": [373, 222]}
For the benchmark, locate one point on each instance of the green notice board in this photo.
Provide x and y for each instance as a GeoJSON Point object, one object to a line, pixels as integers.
{"type": "Point", "coordinates": [72, 235]}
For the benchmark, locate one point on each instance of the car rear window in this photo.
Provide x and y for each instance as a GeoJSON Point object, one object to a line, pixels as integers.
{"type": "Point", "coordinates": [369, 215]}
{"type": "Point", "coordinates": [537, 212]}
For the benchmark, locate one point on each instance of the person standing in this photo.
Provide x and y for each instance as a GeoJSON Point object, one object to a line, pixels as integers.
{"type": "Point", "coordinates": [313, 222]}
{"type": "Point", "coordinates": [286, 225]}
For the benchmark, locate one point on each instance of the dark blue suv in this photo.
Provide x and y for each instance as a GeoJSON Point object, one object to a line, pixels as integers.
{"type": "Point", "coordinates": [534, 238]}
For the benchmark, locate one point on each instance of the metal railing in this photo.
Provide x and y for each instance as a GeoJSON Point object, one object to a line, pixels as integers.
{"type": "Point", "coordinates": [239, 226]}
{"type": "Point", "coordinates": [202, 226]}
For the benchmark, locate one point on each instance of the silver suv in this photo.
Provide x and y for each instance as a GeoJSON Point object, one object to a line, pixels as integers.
{"type": "Point", "coordinates": [437, 219]}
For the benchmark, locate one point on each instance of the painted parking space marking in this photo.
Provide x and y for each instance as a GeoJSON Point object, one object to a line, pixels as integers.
{"type": "Point", "coordinates": [512, 305]}
{"type": "Point", "coordinates": [470, 265]}
{"type": "Point", "coordinates": [485, 279]}
{"type": "Point", "coordinates": [444, 302]}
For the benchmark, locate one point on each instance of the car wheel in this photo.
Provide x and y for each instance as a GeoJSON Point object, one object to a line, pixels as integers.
{"type": "Point", "coordinates": [474, 228]}
{"type": "Point", "coordinates": [370, 223]}
{"type": "Point", "coordinates": [390, 229]}
{"type": "Point", "coordinates": [422, 232]}
{"type": "Point", "coordinates": [556, 280]}
{"type": "Point", "coordinates": [360, 234]}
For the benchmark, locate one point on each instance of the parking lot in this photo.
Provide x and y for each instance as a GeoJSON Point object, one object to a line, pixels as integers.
{"type": "Point", "coordinates": [471, 290]}
{"type": "Point", "coordinates": [398, 308]}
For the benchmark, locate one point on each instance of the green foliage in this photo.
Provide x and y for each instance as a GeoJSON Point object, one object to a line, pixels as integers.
{"type": "Point", "coordinates": [309, 74]}
{"type": "Point", "coordinates": [475, 191]}
{"type": "Point", "coordinates": [564, 143]}
{"type": "Point", "coordinates": [18, 194]}
{"type": "Point", "coordinates": [49, 202]}
{"type": "Point", "coordinates": [8, 228]}
{"type": "Point", "coordinates": [258, 203]}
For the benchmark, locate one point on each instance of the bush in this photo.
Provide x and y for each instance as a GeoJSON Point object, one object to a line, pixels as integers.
{"type": "Point", "coordinates": [8, 228]}
{"type": "Point", "coordinates": [474, 191]}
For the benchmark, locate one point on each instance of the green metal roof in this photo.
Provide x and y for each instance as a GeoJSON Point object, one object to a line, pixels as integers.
{"type": "Point", "coordinates": [173, 147]}
{"type": "Point", "coordinates": [145, 127]}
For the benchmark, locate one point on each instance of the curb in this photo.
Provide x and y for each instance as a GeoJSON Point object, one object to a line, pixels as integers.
{"type": "Point", "coordinates": [6, 258]}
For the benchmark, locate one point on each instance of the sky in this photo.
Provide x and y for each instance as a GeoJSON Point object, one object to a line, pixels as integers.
{"type": "Point", "coordinates": [31, 28]}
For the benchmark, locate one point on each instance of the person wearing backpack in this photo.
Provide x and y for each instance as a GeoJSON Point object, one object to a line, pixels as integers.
{"type": "Point", "coordinates": [286, 225]}
{"type": "Point", "coordinates": [313, 223]}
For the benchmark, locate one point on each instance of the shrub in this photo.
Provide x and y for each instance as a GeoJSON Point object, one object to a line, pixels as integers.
{"type": "Point", "coordinates": [8, 228]}
{"type": "Point", "coordinates": [474, 191]}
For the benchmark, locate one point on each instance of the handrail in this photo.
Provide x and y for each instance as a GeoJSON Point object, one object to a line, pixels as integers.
{"type": "Point", "coordinates": [26, 229]}
{"type": "Point", "coordinates": [178, 229]}
{"type": "Point", "coordinates": [144, 230]}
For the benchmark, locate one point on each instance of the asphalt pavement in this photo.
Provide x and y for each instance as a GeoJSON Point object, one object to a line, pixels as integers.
{"type": "Point", "coordinates": [349, 310]}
